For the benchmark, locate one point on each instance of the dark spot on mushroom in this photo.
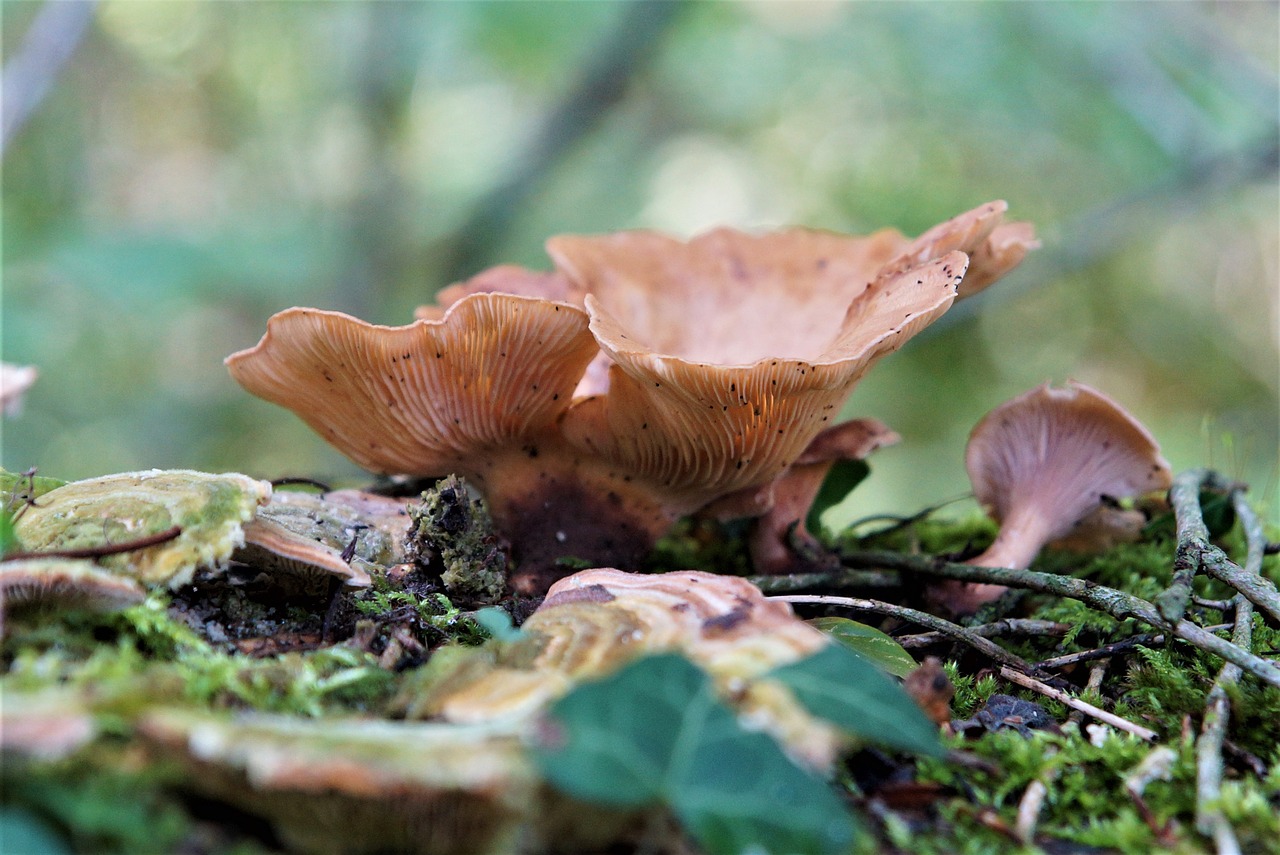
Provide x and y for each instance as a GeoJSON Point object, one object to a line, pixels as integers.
{"type": "Point", "coordinates": [532, 451]}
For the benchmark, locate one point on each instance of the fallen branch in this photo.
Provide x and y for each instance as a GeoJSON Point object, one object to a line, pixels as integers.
{"type": "Point", "coordinates": [1077, 704]}
{"type": "Point", "coordinates": [1146, 639]}
{"type": "Point", "coordinates": [988, 648]}
{"type": "Point", "coordinates": [1007, 626]}
{"type": "Point", "coordinates": [1217, 713]}
{"type": "Point", "coordinates": [1118, 604]}
{"type": "Point", "coordinates": [834, 580]}
{"type": "Point", "coordinates": [1184, 496]}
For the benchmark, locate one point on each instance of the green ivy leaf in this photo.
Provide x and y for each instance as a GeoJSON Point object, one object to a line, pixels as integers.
{"type": "Point", "coordinates": [655, 733]}
{"type": "Point", "coordinates": [8, 539]}
{"type": "Point", "coordinates": [18, 485]}
{"type": "Point", "coordinates": [839, 685]}
{"type": "Point", "coordinates": [868, 642]}
{"type": "Point", "coordinates": [841, 478]}
{"type": "Point", "coordinates": [497, 622]}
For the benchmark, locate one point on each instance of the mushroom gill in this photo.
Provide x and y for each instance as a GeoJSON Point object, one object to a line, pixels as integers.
{"type": "Point", "coordinates": [642, 380]}
{"type": "Point", "coordinates": [430, 398]}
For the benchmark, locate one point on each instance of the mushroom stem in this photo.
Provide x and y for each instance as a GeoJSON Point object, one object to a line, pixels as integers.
{"type": "Point", "coordinates": [553, 504]}
{"type": "Point", "coordinates": [1022, 535]}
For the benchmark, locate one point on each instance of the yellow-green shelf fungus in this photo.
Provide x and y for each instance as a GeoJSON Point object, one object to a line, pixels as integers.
{"type": "Point", "coordinates": [208, 511]}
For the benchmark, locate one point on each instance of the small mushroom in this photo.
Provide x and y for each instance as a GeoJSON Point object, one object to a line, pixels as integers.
{"type": "Point", "coordinates": [312, 538]}
{"type": "Point", "coordinates": [779, 541]}
{"type": "Point", "coordinates": [1046, 460]}
{"type": "Point", "coordinates": [15, 380]}
{"type": "Point", "coordinates": [64, 583]}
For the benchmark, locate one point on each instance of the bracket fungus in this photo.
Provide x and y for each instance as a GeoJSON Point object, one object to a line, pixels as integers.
{"type": "Point", "coordinates": [640, 381]}
{"type": "Point", "coordinates": [1044, 462]}
{"type": "Point", "coordinates": [205, 514]}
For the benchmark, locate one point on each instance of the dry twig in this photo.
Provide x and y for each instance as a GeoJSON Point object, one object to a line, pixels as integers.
{"type": "Point", "coordinates": [101, 551]}
{"type": "Point", "coordinates": [1118, 604]}
{"type": "Point", "coordinates": [1077, 704]}
{"type": "Point", "coordinates": [1217, 714]}
{"type": "Point", "coordinates": [1146, 639]}
{"type": "Point", "coordinates": [1196, 553]}
{"type": "Point", "coordinates": [1007, 626]}
{"type": "Point", "coordinates": [959, 633]}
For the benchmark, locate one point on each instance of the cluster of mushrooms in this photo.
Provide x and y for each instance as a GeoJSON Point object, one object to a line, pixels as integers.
{"type": "Point", "coordinates": [642, 380]}
{"type": "Point", "coordinates": [645, 379]}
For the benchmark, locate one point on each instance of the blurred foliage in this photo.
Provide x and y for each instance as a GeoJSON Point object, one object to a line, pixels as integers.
{"type": "Point", "coordinates": [198, 166]}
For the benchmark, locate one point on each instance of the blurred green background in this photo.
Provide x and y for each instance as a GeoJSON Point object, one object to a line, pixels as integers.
{"type": "Point", "coordinates": [198, 166]}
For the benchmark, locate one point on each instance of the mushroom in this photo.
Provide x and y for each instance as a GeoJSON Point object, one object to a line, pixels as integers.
{"type": "Point", "coordinates": [355, 785]}
{"type": "Point", "coordinates": [207, 510]}
{"type": "Point", "coordinates": [643, 380]}
{"type": "Point", "coordinates": [15, 380]}
{"type": "Point", "coordinates": [1043, 462]}
{"type": "Point", "coordinates": [64, 583]}
{"type": "Point", "coordinates": [779, 541]}
{"type": "Point", "coordinates": [312, 538]}
{"type": "Point", "coordinates": [595, 621]}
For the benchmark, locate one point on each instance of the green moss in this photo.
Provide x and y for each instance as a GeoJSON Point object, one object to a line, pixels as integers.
{"type": "Point", "coordinates": [97, 801]}
{"type": "Point", "coordinates": [451, 530]}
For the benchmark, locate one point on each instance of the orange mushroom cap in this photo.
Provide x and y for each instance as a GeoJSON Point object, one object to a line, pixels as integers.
{"type": "Point", "coordinates": [428, 398]}
{"type": "Point", "coordinates": [698, 369]}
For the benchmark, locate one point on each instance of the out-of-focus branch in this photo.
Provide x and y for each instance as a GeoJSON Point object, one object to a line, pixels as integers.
{"type": "Point", "coordinates": [56, 32]}
{"type": "Point", "coordinates": [601, 84]}
{"type": "Point", "coordinates": [1104, 230]}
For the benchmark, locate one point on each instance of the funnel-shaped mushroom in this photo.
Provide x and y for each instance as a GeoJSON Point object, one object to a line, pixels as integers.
{"type": "Point", "coordinates": [708, 368]}
{"type": "Point", "coordinates": [1042, 462]}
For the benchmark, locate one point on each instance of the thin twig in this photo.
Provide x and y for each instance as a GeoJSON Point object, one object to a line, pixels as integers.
{"type": "Point", "coordinates": [1007, 626]}
{"type": "Point", "coordinates": [1106, 651]}
{"type": "Point", "coordinates": [793, 582]}
{"type": "Point", "coordinates": [1118, 604]}
{"type": "Point", "coordinates": [1184, 496]}
{"type": "Point", "coordinates": [100, 551]}
{"type": "Point", "coordinates": [1196, 552]}
{"type": "Point", "coordinates": [1248, 580]}
{"type": "Point", "coordinates": [1097, 672]}
{"type": "Point", "coordinates": [28, 77]}
{"type": "Point", "coordinates": [1217, 714]}
{"type": "Point", "coordinates": [1077, 704]}
{"type": "Point", "coordinates": [1029, 807]}
{"type": "Point", "coordinates": [988, 648]}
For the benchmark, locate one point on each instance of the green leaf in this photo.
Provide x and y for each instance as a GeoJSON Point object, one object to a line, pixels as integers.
{"type": "Point", "coordinates": [839, 685]}
{"type": "Point", "coordinates": [497, 623]}
{"type": "Point", "coordinates": [655, 733]}
{"type": "Point", "coordinates": [21, 487]}
{"type": "Point", "coordinates": [23, 831]}
{"type": "Point", "coordinates": [868, 642]}
{"type": "Point", "coordinates": [841, 478]}
{"type": "Point", "coordinates": [8, 539]}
